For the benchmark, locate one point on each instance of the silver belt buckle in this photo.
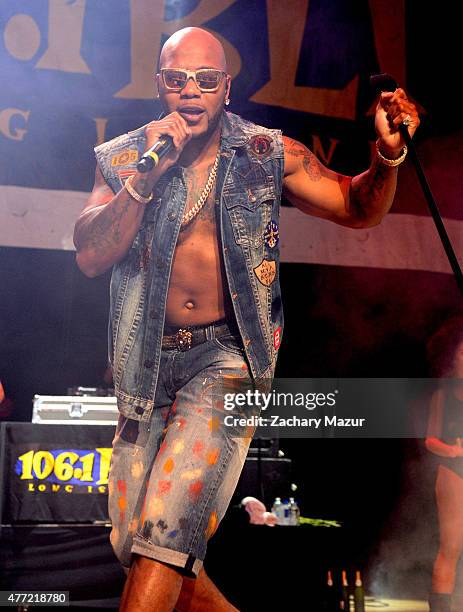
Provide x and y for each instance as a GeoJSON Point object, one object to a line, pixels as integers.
{"type": "Point", "coordinates": [183, 339]}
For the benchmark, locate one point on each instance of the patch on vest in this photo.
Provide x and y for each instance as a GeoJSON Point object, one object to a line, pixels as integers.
{"type": "Point", "coordinates": [266, 271]}
{"type": "Point", "coordinates": [124, 175]}
{"type": "Point", "coordinates": [129, 156]}
{"type": "Point", "coordinates": [261, 145]}
{"type": "Point", "coordinates": [271, 234]}
{"type": "Point", "coordinates": [277, 338]}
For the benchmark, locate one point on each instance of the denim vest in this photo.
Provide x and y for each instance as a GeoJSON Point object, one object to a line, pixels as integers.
{"type": "Point", "coordinates": [248, 188]}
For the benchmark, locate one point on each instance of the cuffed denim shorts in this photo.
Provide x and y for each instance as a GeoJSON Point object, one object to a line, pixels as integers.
{"type": "Point", "coordinates": [172, 479]}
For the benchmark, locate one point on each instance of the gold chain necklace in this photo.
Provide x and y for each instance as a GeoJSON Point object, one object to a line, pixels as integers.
{"type": "Point", "coordinates": [191, 214]}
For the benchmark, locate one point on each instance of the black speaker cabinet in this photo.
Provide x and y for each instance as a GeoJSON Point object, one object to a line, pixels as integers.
{"type": "Point", "coordinates": [264, 478]}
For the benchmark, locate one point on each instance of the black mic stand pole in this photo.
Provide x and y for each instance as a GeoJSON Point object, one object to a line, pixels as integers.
{"type": "Point", "coordinates": [386, 83]}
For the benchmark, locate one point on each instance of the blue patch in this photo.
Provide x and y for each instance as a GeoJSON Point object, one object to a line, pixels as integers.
{"type": "Point", "coordinates": [271, 234]}
{"type": "Point", "coordinates": [172, 534]}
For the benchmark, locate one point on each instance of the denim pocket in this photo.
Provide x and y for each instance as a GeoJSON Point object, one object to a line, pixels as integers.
{"type": "Point", "coordinates": [230, 343]}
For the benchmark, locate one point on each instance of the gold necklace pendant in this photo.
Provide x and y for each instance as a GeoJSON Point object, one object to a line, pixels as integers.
{"type": "Point", "coordinates": [192, 213]}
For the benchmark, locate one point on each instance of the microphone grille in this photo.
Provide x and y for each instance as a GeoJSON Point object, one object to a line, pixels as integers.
{"type": "Point", "coordinates": [383, 82]}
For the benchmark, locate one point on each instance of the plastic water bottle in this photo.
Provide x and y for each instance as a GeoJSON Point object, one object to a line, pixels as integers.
{"type": "Point", "coordinates": [278, 510]}
{"type": "Point", "coordinates": [359, 593]}
{"type": "Point", "coordinates": [285, 512]}
{"type": "Point", "coordinates": [294, 512]}
{"type": "Point", "coordinates": [330, 596]}
{"type": "Point", "coordinates": [344, 604]}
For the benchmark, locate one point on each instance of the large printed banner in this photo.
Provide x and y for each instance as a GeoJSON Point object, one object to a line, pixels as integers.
{"type": "Point", "coordinates": [78, 72]}
{"type": "Point", "coordinates": [54, 473]}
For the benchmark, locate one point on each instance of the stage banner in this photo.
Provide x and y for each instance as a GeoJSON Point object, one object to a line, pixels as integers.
{"type": "Point", "coordinates": [54, 473]}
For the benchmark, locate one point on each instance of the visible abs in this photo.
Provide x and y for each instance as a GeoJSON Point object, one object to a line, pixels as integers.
{"type": "Point", "coordinates": [197, 283]}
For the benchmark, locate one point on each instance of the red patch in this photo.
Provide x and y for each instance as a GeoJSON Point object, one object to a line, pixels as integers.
{"type": "Point", "coordinates": [261, 144]}
{"type": "Point", "coordinates": [195, 489]}
{"type": "Point", "coordinates": [164, 486]}
{"type": "Point", "coordinates": [277, 338]}
{"type": "Point", "coordinates": [162, 448]}
{"type": "Point", "coordinates": [124, 175]}
{"type": "Point", "coordinates": [198, 447]}
{"type": "Point", "coordinates": [122, 487]}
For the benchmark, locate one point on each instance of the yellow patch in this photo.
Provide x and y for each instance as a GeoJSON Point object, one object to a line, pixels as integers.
{"type": "Point", "coordinates": [168, 465]}
{"type": "Point", "coordinates": [266, 271]}
{"type": "Point", "coordinates": [114, 536]}
{"type": "Point", "coordinates": [137, 469]}
{"type": "Point", "coordinates": [191, 474]}
{"type": "Point", "coordinates": [213, 423]}
{"type": "Point", "coordinates": [178, 447]}
{"type": "Point", "coordinates": [212, 525]}
{"type": "Point", "coordinates": [156, 507]}
{"type": "Point", "coordinates": [212, 456]}
{"type": "Point", "coordinates": [123, 158]}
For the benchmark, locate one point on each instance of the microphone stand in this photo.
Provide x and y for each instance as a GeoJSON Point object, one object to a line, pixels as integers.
{"type": "Point", "coordinates": [387, 83]}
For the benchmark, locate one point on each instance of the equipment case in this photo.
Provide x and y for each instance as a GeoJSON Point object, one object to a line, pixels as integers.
{"type": "Point", "coordinates": [75, 410]}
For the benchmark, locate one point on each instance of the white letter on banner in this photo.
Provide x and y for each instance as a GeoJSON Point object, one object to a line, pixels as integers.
{"type": "Point", "coordinates": [146, 30]}
{"type": "Point", "coordinates": [286, 23]}
{"type": "Point", "coordinates": [22, 37]}
{"type": "Point", "coordinates": [5, 123]}
{"type": "Point", "coordinates": [65, 27]}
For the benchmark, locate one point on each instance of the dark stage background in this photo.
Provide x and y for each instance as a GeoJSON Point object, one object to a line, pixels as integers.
{"type": "Point", "coordinates": [350, 310]}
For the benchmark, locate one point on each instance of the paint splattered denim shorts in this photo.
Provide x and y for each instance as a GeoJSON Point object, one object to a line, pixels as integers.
{"type": "Point", "coordinates": [172, 479]}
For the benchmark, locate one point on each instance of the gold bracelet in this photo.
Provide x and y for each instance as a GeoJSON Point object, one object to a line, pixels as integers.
{"type": "Point", "coordinates": [134, 194]}
{"type": "Point", "coordinates": [391, 162]}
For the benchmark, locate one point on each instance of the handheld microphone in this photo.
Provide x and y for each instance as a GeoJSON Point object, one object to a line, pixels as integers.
{"type": "Point", "coordinates": [150, 159]}
{"type": "Point", "coordinates": [383, 82]}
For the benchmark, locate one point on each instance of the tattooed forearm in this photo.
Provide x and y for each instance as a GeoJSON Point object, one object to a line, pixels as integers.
{"type": "Point", "coordinates": [310, 163]}
{"type": "Point", "coordinates": [101, 229]}
{"type": "Point", "coordinates": [372, 192]}
{"type": "Point", "coordinates": [141, 186]}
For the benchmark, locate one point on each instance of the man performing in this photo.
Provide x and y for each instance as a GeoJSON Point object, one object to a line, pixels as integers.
{"type": "Point", "coordinates": [195, 297]}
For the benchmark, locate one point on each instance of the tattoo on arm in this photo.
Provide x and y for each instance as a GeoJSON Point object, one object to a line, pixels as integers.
{"type": "Point", "coordinates": [141, 187]}
{"type": "Point", "coordinates": [371, 187]}
{"type": "Point", "coordinates": [103, 232]}
{"type": "Point", "coordinates": [310, 163]}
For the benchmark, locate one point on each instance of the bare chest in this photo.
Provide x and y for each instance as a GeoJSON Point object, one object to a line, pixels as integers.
{"type": "Point", "coordinates": [200, 209]}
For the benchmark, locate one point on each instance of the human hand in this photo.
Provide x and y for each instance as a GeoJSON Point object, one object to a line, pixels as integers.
{"type": "Point", "coordinates": [173, 125]}
{"type": "Point", "coordinates": [394, 108]}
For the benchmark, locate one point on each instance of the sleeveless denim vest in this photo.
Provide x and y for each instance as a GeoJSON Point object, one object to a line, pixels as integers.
{"type": "Point", "coordinates": [248, 189]}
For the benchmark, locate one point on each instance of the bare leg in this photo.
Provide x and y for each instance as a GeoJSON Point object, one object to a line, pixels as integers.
{"type": "Point", "coordinates": [201, 594]}
{"type": "Point", "coordinates": [151, 586]}
{"type": "Point", "coordinates": [449, 496]}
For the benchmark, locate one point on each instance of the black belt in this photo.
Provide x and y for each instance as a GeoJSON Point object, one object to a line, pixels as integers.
{"type": "Point", "coordinates": [186, 338]}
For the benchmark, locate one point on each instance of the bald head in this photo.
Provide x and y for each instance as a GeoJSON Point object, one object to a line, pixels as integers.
{"type": "Point", "coordinates": [193, 48]}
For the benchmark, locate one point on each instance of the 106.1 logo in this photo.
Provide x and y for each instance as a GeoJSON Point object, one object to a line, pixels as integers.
{"type": "Point", "coordinates": [64, 469]}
